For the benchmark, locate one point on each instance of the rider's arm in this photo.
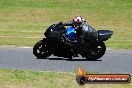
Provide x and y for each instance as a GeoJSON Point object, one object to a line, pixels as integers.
{"type": "Point", "coordinates": [70, 23]}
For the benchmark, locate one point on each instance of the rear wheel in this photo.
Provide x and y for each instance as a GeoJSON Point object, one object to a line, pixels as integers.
{"type": "Point", "coordinates": [96, 53]}
{"type": "Point", "coordinates": [40, 49]}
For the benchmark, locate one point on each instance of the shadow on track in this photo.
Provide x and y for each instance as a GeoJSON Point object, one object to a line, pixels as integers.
{"type": "Point", "coordinates": [68, 59]}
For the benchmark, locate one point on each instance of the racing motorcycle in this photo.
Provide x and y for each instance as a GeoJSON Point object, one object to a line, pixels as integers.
{"type": "Point", "coordinates": [52, 44]}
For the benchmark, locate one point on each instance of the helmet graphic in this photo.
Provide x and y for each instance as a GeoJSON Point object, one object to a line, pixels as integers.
{"type": "Point", "coordinates": [78, 20]}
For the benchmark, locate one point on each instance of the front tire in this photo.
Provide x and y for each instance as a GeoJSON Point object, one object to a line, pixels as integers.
{"type": "Point", "coordinates": [40, 49]}
{"type": "Point", "coordinates": [96, 53]}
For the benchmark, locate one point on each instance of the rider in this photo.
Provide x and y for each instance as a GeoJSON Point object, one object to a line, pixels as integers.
{"type": "Point", "coordinates": [83, 30]}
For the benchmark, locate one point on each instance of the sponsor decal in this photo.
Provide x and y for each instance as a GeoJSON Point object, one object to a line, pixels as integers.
{"type": "Point", "coordinates": [83, 78]}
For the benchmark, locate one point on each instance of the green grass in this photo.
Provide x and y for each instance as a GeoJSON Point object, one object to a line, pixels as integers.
{"type": "Point", "coordinates": [22, 22]}
{"type": "Point", "coordinates": [34, 79]}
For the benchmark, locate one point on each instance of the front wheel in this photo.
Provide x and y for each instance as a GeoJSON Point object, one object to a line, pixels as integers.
{"type": "Point", "coordinates": [40, 49]}
{"type": "Point", "coordinates": [96, 53]}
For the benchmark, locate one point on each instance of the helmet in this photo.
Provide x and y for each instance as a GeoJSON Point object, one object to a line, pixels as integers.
{"type": "Point", "coordinates": [78, 20]}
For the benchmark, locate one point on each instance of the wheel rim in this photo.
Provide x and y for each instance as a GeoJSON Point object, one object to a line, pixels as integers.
{"type": "Point", "coordinates": [96, 53]}
{"type": "Point", "coordinates": [42, 49]}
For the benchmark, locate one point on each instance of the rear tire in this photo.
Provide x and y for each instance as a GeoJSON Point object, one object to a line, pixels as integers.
{"type": "Point", "coordinates": [40, 49]}
{"type": "Point", "coordinates": [97, 53]}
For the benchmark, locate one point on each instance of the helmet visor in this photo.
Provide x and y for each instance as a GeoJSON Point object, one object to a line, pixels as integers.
{"type": "Point", "coordinates": [77, 23]}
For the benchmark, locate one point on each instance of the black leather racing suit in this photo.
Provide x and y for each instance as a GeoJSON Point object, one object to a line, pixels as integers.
{"type": "Point", "coordinates": [84, 31]}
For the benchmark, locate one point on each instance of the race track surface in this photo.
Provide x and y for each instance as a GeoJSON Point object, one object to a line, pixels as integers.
{"type": "Point", "coordinates": [114, 61]}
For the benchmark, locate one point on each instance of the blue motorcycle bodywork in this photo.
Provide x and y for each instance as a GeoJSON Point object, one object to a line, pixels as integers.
{"type": "Point", "coordinates": [71, 33]}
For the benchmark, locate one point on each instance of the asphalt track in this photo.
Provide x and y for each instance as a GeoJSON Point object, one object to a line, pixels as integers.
{"type": "Point", "coordinates": [114, 61]}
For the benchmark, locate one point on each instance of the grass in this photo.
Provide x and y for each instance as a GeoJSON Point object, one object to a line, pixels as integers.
{"type": "Point", "coordinates": [34, 79]}
{"type": "Point", "coordinates": [22, 22]}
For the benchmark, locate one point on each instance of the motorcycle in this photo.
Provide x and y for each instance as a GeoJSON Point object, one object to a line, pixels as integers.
{"type": "Point", "coordinates": [53, 43]}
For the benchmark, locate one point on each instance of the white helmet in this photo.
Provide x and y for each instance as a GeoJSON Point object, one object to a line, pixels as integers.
{"type": "Point", "coordinates": [78, 20]}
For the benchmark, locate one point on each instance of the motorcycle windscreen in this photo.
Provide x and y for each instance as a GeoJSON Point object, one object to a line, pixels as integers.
{"type": "Point", "coordinates": [71, 33]}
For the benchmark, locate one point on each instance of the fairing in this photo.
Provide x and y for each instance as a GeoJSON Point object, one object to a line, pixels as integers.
{"type": "Point", "coordinates": [104, 35]}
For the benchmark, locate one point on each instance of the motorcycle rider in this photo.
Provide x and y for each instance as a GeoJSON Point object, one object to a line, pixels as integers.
{"type": "Point", "coordinates": [83, 30]}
